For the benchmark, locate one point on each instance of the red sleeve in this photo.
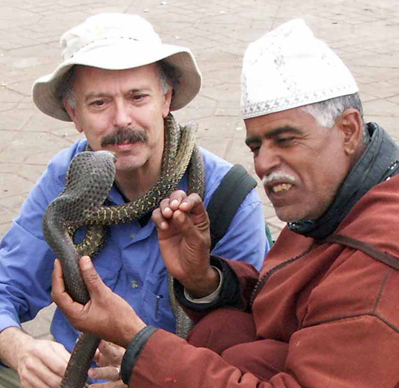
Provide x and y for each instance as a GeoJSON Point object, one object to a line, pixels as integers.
{"type": "Point", "coordinates": [239, 281]}
{"type": "Point", "coordinates": [340, 354]}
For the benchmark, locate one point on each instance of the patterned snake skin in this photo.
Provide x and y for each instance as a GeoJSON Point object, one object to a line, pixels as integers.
{"type": "Point", "coordinates": [89, 179]}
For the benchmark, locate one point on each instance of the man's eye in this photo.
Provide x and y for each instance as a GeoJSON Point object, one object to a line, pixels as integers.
{"type": "Point", "coordinates": [284, 140]}
{"type": "Point", "coordinates": [139, 97]}
{"type": "Point", "coordinates": [254, 149]}
{"type": "Point", "coordinates": [97, 103]}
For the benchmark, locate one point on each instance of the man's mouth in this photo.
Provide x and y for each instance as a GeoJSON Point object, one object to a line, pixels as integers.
{"type": "Point", "coordinates": [278, 182]}
{"type": "Point", "coordinates": [281, 187]}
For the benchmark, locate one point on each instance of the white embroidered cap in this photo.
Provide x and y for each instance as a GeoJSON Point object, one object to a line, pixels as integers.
{"type": "Point", "coordinates": [116, 41]}
{"type": "Point", "coordinates": [287, 68]}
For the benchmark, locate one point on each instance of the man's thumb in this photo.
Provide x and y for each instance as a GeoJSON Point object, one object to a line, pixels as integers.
{"type": "Point", "coordinates": [89, 273]}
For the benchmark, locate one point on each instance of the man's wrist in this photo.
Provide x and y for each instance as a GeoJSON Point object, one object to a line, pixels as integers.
{"type": "Point", "coordinates": [12, 342]}
{"type": "Point", "coordinates": [207, 286]}
{"type": "Point", "coordinates": [229, 293]}
{"type": "Point", "coordinates": [133, 351]}
{"type": "Point", "coordinates": [208, 298]}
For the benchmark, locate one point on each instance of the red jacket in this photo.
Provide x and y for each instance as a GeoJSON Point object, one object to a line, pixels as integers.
{"type": "Point", "coordinates": [331, 313]}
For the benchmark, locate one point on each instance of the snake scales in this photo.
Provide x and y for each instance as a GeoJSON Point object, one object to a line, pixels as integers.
{"type": "Point", "coordinates": [89, 179]}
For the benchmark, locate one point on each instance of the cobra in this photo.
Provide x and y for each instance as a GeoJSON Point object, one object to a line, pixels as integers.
{"type": "Point", "coordinates": [89, 179]}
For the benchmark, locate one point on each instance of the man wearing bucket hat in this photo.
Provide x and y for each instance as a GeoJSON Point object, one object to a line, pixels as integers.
{"type": "Point", "coordinates": [323, 312]}
{"type": "Point", "coordinates": [118, 83]}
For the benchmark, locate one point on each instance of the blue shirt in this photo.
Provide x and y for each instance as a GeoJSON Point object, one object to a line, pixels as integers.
{"type": "Point", "coordinates": [130, 262]}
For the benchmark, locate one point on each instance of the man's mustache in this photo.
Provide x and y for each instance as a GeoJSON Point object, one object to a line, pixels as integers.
{"type": "Point", "coordinates": [124, 135]}
{"type": "Point", "coordinates": [277, 176]}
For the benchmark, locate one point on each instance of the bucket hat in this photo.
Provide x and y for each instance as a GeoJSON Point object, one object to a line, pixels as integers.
{"type": "Point", "coordinates": [116, 41]}
{"type": "Point", "coordinates": [289, 67]}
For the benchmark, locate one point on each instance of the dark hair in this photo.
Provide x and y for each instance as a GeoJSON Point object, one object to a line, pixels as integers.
{"type": "Point", "coordinates": [64, 90]}
{"type": "Point", "coordinates": [169, 75]}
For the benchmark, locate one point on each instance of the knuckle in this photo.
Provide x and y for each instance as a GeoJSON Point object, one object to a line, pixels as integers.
{"type": "Point", "coordinates": [92, 278]}
{"type": "Point", "coordinates": [30, 364]}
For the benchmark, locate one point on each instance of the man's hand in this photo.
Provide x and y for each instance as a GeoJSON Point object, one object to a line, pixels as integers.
{"type": "Point", "coordinates": [184, 240]}
{"type": "Point", "coordinates": [106, 314]}
{"type": "Point", "coordinates": [43, 364]}
{"type": "Point", "coordinates": [109, 358]}
{"type": "Point", "coordinates": [39, 363]}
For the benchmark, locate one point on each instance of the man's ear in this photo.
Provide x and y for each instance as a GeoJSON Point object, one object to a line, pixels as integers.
{"type": "Point", "coordinates": [72, 114]}
{"type": "Point", "coordinates": [351, 125]}
{"type": "Point", "coordinates": [166, 103]}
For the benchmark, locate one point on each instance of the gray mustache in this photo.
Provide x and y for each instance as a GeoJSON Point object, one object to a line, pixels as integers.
{"type": "Point", "coordinates": [124, 135]}
{"type": "Point", "coordinates": [278, 176]}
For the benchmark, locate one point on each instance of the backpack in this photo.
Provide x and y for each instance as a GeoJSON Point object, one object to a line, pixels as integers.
{"type": "Point", "coordinates": [226, 200]}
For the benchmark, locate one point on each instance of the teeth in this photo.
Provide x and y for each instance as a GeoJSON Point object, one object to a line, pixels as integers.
{"type": "Point", "coordinates": [282, 187]}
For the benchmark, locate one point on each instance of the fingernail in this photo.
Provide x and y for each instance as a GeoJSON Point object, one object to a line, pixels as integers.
{"type": "Point", "coordinates": [86, 262]}
{"type": "Point", "coordinates": [174, 202]}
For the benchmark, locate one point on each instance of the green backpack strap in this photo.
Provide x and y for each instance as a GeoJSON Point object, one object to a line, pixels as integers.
{"type": "Point", "coordinates": [227, 198]}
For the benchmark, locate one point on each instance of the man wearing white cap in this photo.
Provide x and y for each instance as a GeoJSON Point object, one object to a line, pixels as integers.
{"type": "Point", "coordinates": [323, 312]}
{"type": "Point", "coordinates": [118, 83]}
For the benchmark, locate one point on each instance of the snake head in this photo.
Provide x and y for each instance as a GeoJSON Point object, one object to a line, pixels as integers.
{"type": "Point", "coordinates": [89, 179]}
{"type": "Point", "coordinates": [107, 155]}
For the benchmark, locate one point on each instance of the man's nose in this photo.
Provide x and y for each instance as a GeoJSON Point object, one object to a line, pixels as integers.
{"type": "Point", "coordinates": [123, 115]}
{"type": "Point", "coordinates": [267, 161]}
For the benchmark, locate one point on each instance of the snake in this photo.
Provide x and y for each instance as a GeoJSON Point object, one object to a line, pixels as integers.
{"type": "Point", "coordinates": [89, 179]}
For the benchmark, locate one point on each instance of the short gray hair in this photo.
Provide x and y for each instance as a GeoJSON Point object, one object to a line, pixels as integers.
{"type": "Point", "coordinates": [327, 112]}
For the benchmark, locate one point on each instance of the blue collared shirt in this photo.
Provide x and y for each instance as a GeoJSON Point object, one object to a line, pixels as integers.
{"type": "Point", "coordinates": [130, 262]}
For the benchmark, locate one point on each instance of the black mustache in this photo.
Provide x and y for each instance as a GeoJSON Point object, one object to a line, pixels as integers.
{"type": "Point", "coordinates": [124, 135]}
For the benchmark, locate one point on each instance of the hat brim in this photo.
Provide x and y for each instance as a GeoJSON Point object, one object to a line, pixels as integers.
{"type": "Point", "coordinates": [116, 57]}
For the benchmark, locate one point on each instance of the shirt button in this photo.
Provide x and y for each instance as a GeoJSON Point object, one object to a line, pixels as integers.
{"type": "Point", "coordinates": [133, 235]}
{"type": "Point", "coordinates": [135, 284]}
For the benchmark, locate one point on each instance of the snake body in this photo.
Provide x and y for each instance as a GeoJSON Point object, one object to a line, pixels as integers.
{"type": "Point", "coordinates": [90, 177]}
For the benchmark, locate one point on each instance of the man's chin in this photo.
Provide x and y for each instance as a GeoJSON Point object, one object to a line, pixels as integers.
{"type": "Point", "coordinates": [128, 161]}
{"type": "Point", "coordinates": [288, 215]}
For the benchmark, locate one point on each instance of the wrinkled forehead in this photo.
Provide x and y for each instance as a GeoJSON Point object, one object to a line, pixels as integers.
{"type": "Point", "coordinates": [295, 120]}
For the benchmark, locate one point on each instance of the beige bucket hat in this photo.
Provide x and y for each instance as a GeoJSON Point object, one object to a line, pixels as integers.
{"type": "Point", "coordinates": [115, 41]}
{"type": "Point", "coordinates": [289, 67]}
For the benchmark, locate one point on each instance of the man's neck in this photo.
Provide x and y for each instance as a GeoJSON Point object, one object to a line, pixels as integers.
{"type": "Point", "coordinates": [134, 184]}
